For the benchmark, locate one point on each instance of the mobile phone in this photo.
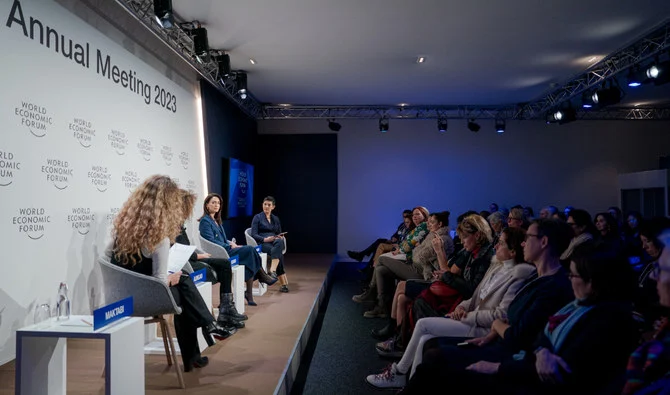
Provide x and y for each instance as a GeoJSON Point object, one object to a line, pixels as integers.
{"type": "Point", "coordinates": [282, 233]}
{"type": "Point", "coordinates": [464, 344]}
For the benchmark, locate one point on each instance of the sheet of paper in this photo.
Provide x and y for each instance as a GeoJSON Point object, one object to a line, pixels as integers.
{"type": "Point", "coordinates": [179, 254]}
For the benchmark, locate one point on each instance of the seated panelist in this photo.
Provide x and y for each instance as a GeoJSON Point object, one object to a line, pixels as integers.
{"type": "Point", "coordinates": [212, 230]}
{"type": "Point", "coordinates": [146, 225]}
{"type": "Point", "coordinates": [266, 230]}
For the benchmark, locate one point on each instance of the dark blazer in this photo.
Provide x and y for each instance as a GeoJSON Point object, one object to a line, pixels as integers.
{"type": "Point", "coordinates": [473, 272]}
{"type": "Point", "coordinates": [211, 231]}
{"type": "Point", "coordinates": [261, 228]}
{"type": "Point", "coordinates": [596, 350]}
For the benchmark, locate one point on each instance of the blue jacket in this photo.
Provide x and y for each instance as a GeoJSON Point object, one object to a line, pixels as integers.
{"type": "Point", "coordinates": [211, 231]}
{"type": "Point", "coordinates": [261, 228]}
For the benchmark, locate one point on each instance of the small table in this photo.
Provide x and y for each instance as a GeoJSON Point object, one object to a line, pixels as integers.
{"type": "Point", "coordinates": [41, 350]}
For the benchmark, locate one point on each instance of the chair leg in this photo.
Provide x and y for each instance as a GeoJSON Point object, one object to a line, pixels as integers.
{"type": "Point", "coordinates": [180, 377]}
{"type": "Point", "coordinates": [163, 326]}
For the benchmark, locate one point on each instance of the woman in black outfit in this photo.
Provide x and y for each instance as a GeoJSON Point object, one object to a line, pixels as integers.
{"type": "Point", "coordinates": [146, 225]}
{"type": "Point", "coordinates": [266, 230]}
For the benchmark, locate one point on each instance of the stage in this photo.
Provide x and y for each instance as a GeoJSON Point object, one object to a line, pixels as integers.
{"type": "Point", "coordinates": [262, 358]}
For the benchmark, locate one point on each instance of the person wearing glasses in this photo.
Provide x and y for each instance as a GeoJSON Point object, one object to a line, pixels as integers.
{"type": "Point", "coordinates": [538, 299]}
{"type": "Point", "coordinates": [583, 228]}
{"type": "Point", "coordinates": [648, 369]}
{"type": "Point", "coordinates": [581, 349]}
{"type": "Point", "coordinates": [517, 219]}
{"type": "Point", "coordinates": [646, 300]}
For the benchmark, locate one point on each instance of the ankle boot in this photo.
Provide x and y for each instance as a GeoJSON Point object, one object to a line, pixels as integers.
{"type": "Point", "coordinates": [215, 331]}
{"type": "Point", "coordinates": [264, 278]}
{"type": "Point", "coordinates": [227, 307]}
{"type": "Point", "coordinates": [249, 293]}
{"type": "Point", "coordinates": [386, 332]}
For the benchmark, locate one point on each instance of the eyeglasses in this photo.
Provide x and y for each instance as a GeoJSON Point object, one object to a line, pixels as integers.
{"type": "Point", "coordinates": [529, 235]}
{"type": "Point", "coordinates": [512, 219]}
{"type": "Point", "coordinates": [572, 275]}
{"type": "Point", "coordinates": [572, 224]}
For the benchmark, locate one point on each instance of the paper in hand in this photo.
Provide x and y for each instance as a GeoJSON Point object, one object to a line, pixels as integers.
{"type": "Point", "coordinates": [179, 255]}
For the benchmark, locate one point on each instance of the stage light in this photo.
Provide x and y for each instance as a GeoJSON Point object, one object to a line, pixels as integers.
{"type": "Point", "coordinates": [562, 116]}
{"type": "Point", "coordinates": [587, 99]}
{"type": "Point", "coordinates": [334, 126]}
{"type": "Point", "coordinates": [383, 125]}
{"type": "Point", "coordinates": [606, 96]}
{"type": "Point", "coordinates": [223, 62]}
{"type": "Point", "coordinates": [473, 126]}
{"type": "Point", "coordinates": [163, 13]}
{"type": "Point", "coordinates": [500, 125]}
{"type": "Point", "coordinates": [442, 124]}
{"type": "Point", "coordinates": [200, 43]}
{"type": "Point", "coordinates": [659, 73]}
{"type": "Point", "coordinates": [241, 84]}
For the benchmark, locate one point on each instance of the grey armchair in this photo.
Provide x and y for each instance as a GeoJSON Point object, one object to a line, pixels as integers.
{"type": "Point", "coordinates": [252, 242]}
{"type": "Point", "coordinates": [152, 300]}
{"type": "Point", "coordinates": [214, 249]}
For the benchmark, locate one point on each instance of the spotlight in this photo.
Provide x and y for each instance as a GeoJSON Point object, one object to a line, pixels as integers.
{"type": "Point", "coordinates": [587, 99]}
{"type": "Point", "coordinates": [442, 124]}
{"type": "Point", "coordinates": [562, 116]}
{"type": "Point", "coordinates": [241, 83]}
{"type": "Point", "coordinates": [659, 73]}
{"type": "Point", "coordinates": [163, 13]}
{"type": "Point", "coordinates": [200, 42]}
{"type": "Point", "coordinates": [383, 125]}
{"type": "Point", "coordinates": [334, 126]}
{"type": "Point", "coordinates": [606, 96]}
{"type": "Point", "coordinates": [223, 62]}
{"type": "Point", "coordinates": [500, 125]}
{"type": "Point", "coordinates": [473, 126]}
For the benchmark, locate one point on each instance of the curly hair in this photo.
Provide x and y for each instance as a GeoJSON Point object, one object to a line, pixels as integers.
{"type": "Point", "coordinates": [472, 224]}
{"type": "Point", "coordinates": [154, 211]}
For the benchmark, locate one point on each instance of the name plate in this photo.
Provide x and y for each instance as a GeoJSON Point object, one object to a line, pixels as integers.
{"type": "Point", "coordinates": [234, 261]}
{"type": "Point", "coordinates": [258, 249]}
{"type": "Point", "coordinates": [199, 276]}
{"type": "Point", "coordinates": [112, 313]}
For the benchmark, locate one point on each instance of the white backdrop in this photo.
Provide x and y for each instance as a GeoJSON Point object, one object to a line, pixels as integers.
{"type": "Point", "coordinates": [73, 144]}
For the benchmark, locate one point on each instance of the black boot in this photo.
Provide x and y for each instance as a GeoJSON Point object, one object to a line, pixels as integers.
{"type": "Point", "coordinates": [226, 318]}
{"type": "Point", "coordinates": [227, 307]}
{"type": "Point", "coordinates": [215, 331]}
{"type": "Point", "coordinates": [265, 278]}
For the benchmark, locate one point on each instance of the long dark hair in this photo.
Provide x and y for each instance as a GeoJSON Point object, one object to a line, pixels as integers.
{"type": "Point", "coordinates": [515, 236]}
{"type": "Point", "coordinates": [217, 216]}
{"type": "Point", "coordinates": [610, 275]}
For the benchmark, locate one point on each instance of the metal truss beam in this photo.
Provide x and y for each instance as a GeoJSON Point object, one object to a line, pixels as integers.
{"type": "Point", "coordinates": [650, 45]}
{"type": "Point", "coordinates": [462, 112]}
{"type": "Point", "coordinates": [182, 44]}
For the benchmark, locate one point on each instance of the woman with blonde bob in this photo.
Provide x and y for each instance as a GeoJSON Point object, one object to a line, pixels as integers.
{"type": "Point", "coordinates": [146, 226]}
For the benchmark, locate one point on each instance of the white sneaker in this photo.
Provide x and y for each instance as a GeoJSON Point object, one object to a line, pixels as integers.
{"type": "Point", "coordinates": [388, 378]}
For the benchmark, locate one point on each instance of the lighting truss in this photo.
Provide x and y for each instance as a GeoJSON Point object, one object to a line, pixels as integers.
{"type": "Point", "coordinates": [182, 44]}
{"type": "Point", "coordinates": [450, 112]}
{"type": "Point", "coordinates": [646, 47]}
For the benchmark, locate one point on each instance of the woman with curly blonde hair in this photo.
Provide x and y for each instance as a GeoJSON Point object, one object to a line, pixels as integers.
{"type": "Point", "coordinates": [144, 229]}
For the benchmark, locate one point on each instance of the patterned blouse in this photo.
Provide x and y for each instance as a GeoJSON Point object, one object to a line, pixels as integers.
{"type": "Point", "coordinates": [413, 239]}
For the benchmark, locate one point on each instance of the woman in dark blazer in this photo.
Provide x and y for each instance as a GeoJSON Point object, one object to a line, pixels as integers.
{"type": "Point", "coordinates": [266, 230]}
{"type": "Point", "coordinates": [212, 230]}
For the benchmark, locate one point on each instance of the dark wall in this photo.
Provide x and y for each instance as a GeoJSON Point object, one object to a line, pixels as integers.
{"type": "Point", "coordinates": [300, 171]}
{"type": "Point", "coordinates": [229, 133]}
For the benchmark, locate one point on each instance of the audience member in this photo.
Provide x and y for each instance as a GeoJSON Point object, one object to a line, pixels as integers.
{"type": "Point", "coordinates": [498, 222]}
{"type": "Point", "coordinates": [493, 207]}
{"type": "Point", "coordinates": [610, 236]}
{"type": "Point", "coordinates": [583, 229]}
{"type": "Point", "coordinates": [517, 218]}
{"type": "Point", "coordinates": [405, 226]}
{"type": "Point", "coordinates": [646, 301]}
{"type": "Point", "coordinates": [548, 212]}
{"type": "Point", "coordinates": [631, 233]}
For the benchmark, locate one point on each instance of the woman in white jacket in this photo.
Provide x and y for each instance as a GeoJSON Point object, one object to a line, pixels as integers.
{"type": "Point", "coordinates": [472, 317]}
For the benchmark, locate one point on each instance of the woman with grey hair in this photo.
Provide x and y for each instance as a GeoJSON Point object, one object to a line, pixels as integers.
{"type": "Point", "coordinates": [497, 221]}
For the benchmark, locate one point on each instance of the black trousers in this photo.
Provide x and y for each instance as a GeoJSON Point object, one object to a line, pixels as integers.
{"type": "Point", "coordinates": [194, 315]}
{"type": "Point", "coordinates": [275, 251]}
{"type": "Point", "coordinates": [220, 267]}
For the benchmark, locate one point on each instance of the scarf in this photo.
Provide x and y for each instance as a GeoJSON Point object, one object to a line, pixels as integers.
{"type": "Point", "coordinates": [559, 325]}
{"type": "Point", "coordinates": [650, 362]}
{"type": "Point", "coordinates": [584, 237]}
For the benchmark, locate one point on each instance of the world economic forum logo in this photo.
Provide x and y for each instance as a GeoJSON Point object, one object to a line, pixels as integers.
{"type": "Point", "coordinates": [32, 222]}
{"type": "Point", "coordinates": [118, 141]}
{"type": "Point", "coordinates": [58, 172]}
{"type": "Point", "coordinates": [83, 131]}
{"type": "Point", "coordinates": [36, 119]}
{"type": "Point", "coordinates": [80, 219]}
{"type": "Point", "coordinates": [166, 153]}
{"type": "Point", "coordinates": [184, 159]}
{"type": "Point", "coordinates": [100, 177]}
{"type": "Point", "coordinates": [145, 149]}
{"type": "Point", "coordinates": [130, 180]}
{"type": "Point", "coordinates": [9, 165]}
